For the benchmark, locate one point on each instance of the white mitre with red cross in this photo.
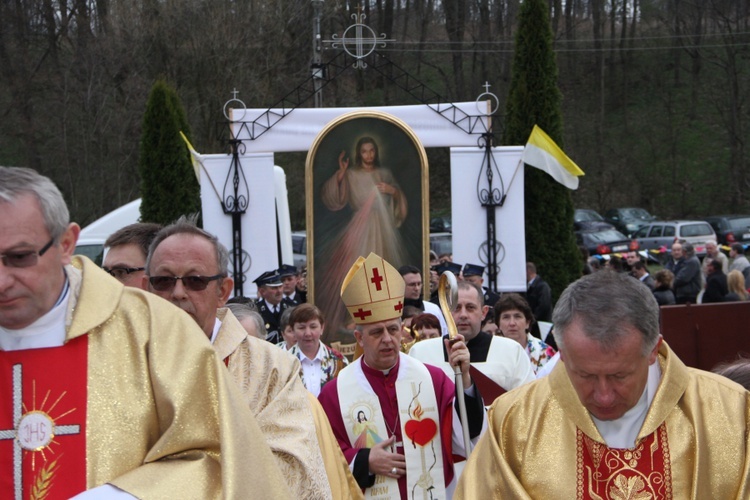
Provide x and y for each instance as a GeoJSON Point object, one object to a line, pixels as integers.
{"type": "Point", "coordinates": [373, 291]}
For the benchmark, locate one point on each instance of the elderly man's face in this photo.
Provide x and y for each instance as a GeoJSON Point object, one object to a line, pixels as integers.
{"type": "Point", "coordinates": [677, 252]}
{"type": "Point", "coordinates": [273, 294]}
{"type": "Point", "coordinates": [191, 255]}
{"type": "Point", "coordinates": [250, 327]}
{"type": "Point", "coordinates": [608, 382]}
{"type": "Point", "coordinates": [28, 293]}
{"type": "Point", "coordinates": [381, 343]}
{"type": "Point", "coordinates": [712, 249]}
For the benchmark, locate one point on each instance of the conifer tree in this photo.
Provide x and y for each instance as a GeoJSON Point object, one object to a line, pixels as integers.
{"type": "Point", "coordinates": [534, 98]}
{"type": "Point", "coordinates": [169, 188]}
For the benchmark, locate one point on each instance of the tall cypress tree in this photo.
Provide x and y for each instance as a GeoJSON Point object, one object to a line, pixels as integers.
{"type": "Point", "coordinates": [535, 99]}
{"type": "Point", "coordinates": [169, 188]}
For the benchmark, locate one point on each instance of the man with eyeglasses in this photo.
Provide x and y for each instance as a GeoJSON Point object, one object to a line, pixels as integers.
{"type": "Point", "coordinates": [126, 250]}
{"type": "Point", "coordinates": [189, 267]}
{"type": "Point", "coordinates": [93, 395]}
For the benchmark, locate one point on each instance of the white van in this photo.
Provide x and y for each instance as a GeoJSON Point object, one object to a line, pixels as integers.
{"type": "Point", "coordinates": [92, 238]}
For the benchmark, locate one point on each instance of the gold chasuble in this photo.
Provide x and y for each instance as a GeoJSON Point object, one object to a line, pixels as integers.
{"type": "Point", "coordinates": [136, 397]}
{"type": "Point", "coordinates": [542, 443]}
{"type": "Point", "coordinates": [274, 392]}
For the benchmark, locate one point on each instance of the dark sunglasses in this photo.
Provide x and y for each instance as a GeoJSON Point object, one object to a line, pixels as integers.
{"type": "Point", "coordinates": [121, 272]}
{"type": "Point", "coordinates": [193, 283]}
{"type": "Point", "coordinates": [25, 259]}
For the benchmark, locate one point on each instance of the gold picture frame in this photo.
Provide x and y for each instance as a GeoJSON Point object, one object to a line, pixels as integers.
{"type": "Point", "coordinates": [379, 205]}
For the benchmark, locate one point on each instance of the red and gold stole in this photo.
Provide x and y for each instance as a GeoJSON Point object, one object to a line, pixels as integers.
{"type": "Point", "coordinates": [43, 421]}
{"type": "Point", "coordinates": [640, 472]}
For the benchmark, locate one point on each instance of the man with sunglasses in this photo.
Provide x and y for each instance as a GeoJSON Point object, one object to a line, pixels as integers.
{"type": "Point", "coordinates": [189, 267]}
{"type": "Point", "coordinates": [126, 250]}
{"type": "Point", "coordinates": [93, 394]}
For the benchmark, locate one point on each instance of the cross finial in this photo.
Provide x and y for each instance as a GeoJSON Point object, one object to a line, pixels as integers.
{"type": "Point", "coordinates": [234, 93]}
{"type": "Point", "coordinates": [486, 86]}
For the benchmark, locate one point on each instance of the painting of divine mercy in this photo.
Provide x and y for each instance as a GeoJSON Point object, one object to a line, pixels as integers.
{"type": "Point", "coordinates": [366, 191]}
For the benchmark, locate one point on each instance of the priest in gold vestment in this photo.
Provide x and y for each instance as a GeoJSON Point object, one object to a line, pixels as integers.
{"type": "Point", "coordinates": [103, 387]}
{"type": "Point", "coordinates": [268, 376]}
{"type": "Point", "coordinates": [620, 418]}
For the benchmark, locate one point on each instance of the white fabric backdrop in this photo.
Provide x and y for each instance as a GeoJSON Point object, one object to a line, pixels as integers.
{"type": "Point", "coordinates": [469, 217]}
{"type": "Point", "coordinates": [258, 223]}
{"type": "Point", "coordinates": [296, 131]}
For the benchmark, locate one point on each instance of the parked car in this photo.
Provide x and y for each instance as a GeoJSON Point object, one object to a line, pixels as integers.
{"type": "Point", "coordinates": [602, 241]}
{"type": "Point", "coordinates": [299, 248]}
{"type": "Point", "coordinates": [441, 243]}
{"type": "Point", "coordinates": [658, 234]}
{"type": "Point", "coordinates": [441, 224]}
{"type": "Point", "coordinates": [731, 228]}
{"type": "Point", "coordinates": [584, 218]}
{"type": "Point", "coordinates": [628, 220]}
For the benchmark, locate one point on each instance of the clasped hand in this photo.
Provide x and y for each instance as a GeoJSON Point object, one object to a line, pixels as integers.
{"type": "Point", "coordinates": [383, 462]}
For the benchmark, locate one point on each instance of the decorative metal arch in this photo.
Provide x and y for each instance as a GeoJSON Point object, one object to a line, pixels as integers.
{"type": "Point", "coordinates": [324, 73]}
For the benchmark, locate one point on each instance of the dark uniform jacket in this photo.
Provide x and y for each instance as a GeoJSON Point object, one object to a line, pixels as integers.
{"type": "Point", "coordinates": [272, 319]}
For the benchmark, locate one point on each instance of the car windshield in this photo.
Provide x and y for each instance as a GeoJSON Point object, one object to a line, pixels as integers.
{"type": "Point", "coordinates": [587, 215]}
{"type": "Point", "coordinates": [689, 230]}
{"type": "Point", "coordinates": [607, 236]}
{"type": "Point", "coordinates": [636, 213]}
{"type": "Point", "coordinates": [93, 252]}
{"type": "Point", "coordinates": [441, 244]}
{"type": "Point", "coordinates": [740, 225]}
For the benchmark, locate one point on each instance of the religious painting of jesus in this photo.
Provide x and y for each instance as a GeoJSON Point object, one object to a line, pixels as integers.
{"type": "Point", "coordinates": [366, 191]}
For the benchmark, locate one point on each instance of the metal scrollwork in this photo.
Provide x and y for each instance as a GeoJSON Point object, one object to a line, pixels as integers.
{"type": "Point", "coordinates": [359, 40]}
{"type": "Point", "coordinates": [490, 195]}
{"type": "Point", "coordinates": [236, 198]}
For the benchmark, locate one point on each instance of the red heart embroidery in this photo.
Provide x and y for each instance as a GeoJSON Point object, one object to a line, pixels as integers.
{"type": "Point", "coordinates": [421, 431]}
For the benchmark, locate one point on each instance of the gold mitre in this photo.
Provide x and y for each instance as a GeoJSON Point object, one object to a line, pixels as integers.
{"type": "Point", "coordinates": [373, 290]}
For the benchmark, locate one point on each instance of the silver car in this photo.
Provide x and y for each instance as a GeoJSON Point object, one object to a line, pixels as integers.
{"type": "Point", "coordinates": [660, 235]}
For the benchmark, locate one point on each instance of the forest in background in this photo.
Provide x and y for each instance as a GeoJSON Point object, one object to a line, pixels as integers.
{"type": "Point", "coordinates": [655, 92]}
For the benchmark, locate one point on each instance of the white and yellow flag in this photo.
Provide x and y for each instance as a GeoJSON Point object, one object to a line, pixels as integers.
{"type": "Point", "coordinates": [195, 157]}
{"type": "Point", "coordinates": [542, 152]}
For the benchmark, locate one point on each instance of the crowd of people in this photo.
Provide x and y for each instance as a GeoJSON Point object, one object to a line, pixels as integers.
{"type": "Point", "coordinates": [144, 379]}
{"type": "Point", "coordinates": [685, 279]}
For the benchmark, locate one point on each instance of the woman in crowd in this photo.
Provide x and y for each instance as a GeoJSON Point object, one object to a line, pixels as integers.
{"type": "Point", "coordinates": [426, 326]}
{"type": "Point", "coordinates": [320, 363]}
{"type": "Point", "coordinates": [663, 290]}
{"type": "Point", "coordinates": [421, 326]}
{"type": "Point", "coordinates": [513, 317]}
{"type": "Point", "coordinates": [736, 286]}
{"type": "Point", "coordinates": [287, 332]}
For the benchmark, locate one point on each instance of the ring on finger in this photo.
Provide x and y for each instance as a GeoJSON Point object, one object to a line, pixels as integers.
{"type": "Point", "coordinates": [394, 471]}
